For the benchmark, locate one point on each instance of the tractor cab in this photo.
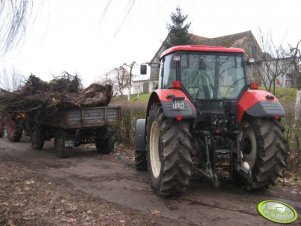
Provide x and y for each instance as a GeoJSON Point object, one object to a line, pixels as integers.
{"type": "Point", "coordinates": [210, 77]}
{"type": "Point", "coordinates": [205, 75]}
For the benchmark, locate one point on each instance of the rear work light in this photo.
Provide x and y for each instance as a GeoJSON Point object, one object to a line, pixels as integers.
{"type": "Point", "coordinates": [254, 85]}
{"type": "Point", "coordinates": [176, 84]}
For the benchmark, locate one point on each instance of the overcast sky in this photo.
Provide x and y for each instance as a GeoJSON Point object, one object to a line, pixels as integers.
{"type": "Point", "coordinates": [91, 37]}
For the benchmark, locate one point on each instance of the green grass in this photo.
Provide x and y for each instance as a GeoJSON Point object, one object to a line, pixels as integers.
{"type": "Point", "coordinates": [284, 94]}
{"type": "Point", "coordinates": [142, 99]}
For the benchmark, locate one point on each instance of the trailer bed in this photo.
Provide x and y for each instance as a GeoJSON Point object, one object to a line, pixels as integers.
{"type": "Point", "coordinates": [82, 118]}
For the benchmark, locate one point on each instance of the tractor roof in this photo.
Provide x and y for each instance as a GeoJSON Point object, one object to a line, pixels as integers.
{"type": "Point", "coordinates": [202, 48]}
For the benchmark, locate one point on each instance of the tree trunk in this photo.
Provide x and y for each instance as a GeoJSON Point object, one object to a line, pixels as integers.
{"type": "Point", "coordinates": [129, 93]}
{"type": "Point", "coordinates": [298, 105]}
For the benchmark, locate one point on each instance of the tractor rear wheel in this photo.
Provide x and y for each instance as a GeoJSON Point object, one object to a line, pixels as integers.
{"type": "Point", "coordinates": [168, 153]}
{"type": "Point", "coordinates": [14, 132]}
{"type": "Point", "coordinates": [140, 160]}
{"type": "Point", "coordinates": [264, 148]}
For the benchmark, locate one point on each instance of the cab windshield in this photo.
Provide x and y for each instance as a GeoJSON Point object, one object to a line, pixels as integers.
{"type": "Point", "coordinates": [208, 76]}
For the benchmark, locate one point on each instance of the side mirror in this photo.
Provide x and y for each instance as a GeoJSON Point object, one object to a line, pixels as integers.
{"type": "Point", "coordinates": [176, 57]}
{"type": "Point", "coordinates": [251, 60]}
{"type": "Point", "coordinates": [143, 69]}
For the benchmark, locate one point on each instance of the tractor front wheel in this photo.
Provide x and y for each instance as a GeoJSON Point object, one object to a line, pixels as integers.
{"type": "Point", "coordinates": [263, 147]}
{"type": "Point", "coordinates": [168, 153]}
{"type": "Point", "coordinates": [140, 160]}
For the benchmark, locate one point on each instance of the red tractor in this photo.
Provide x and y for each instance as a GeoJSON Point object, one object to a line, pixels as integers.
{"type": "Point", "coordinates": [206, 118]}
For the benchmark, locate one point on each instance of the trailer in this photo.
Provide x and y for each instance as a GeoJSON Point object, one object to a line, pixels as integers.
{"type": "Point", "coordinates": [69, 127]}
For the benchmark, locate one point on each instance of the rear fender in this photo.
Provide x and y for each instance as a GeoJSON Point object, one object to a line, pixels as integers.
{"type": "Point", "coordinates": [259, 103]}
{"type": "Point", "coordinates": [169, 99]}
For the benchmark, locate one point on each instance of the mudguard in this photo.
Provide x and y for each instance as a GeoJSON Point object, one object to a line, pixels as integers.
{"type": "Point", "coordinates": [174, 103]}
{"type": "Point", "coordinates": [140, 135]}
{"type": "Point", "coordinates": [259, 103]}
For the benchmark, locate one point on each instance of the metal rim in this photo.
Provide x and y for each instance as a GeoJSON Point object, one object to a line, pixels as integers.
{"type": "Point", "coordinates": [154, 149]}
{"type": "Point", "coordinates": [248, 144]}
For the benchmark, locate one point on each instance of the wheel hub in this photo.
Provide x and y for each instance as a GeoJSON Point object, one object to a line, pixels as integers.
{"type": "Point", "coordinates": [154, 149]}
{"type": "Point", "coordinates": [246, 146]}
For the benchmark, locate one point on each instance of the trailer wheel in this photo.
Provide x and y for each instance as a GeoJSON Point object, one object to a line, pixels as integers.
{"type": "Point", "coordinates": [37, 137]}
{"type": "Point", "coordinates": [59, 142]}
{"type": "Point", "coordinates": [168, 153]}
{"type": "Point", "coordinates": [105, 146]}
{"type": "Point", "coordinates": [1, 131]}
{"type": "Point", "coordinates": [14, 132]}
{"type": "Point", "coordinates": [264, 147]}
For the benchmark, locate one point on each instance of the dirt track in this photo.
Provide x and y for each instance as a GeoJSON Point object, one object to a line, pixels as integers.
{"type": "Point", "coordinates": [88, 178]}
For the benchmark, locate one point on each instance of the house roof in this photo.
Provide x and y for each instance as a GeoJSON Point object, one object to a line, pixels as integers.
{"type": "Point", "coordinates": [227, 40]}
{"type": "Point", "coordinates": [233, 40]}
{"type": "Point", "coordinates": [197, 38]}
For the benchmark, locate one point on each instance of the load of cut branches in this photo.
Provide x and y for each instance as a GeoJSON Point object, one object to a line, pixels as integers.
{"type": "Point", "coordinates": [63, 92]}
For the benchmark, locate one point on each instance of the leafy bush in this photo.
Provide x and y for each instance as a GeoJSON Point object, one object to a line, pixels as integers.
{"type": "Point", "coordinates": [293, 136]}
{"type": "Point", "coordinates": [125, 130]}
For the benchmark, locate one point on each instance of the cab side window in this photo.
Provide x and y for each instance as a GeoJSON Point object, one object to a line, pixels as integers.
{"type": "Point", "coordinates": [169, 72]}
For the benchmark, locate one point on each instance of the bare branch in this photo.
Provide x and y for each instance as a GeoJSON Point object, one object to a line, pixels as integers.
{"type": "Point", "coordinates": [273, 64]}
{"type": "Point", "coordinates": [14, 16]}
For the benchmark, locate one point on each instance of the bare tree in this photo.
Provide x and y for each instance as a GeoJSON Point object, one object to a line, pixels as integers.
{"type": "Point", "coordinates": [296, 72]}
{"type": "Point", "coordinates": [272, 64]}
{"type": "Point", "coordinates": [295, 55]}
{"type": "Point", "coordinates": [130, 66]}
{"type": "Point", "coordinates": [14, 16]}
{"type": "Point", "coordinates": [120, 78]}
{"type": "Point", "coordinates": [11, 81]}
{"type": "Point", "coordinates": [107, 80]}
{"type": "Point", "coordinates": [138, 86]}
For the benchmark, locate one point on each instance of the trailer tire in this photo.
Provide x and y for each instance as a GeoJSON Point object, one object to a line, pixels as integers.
{"type": "Point", "coordinates": [168, 144]}
{"type": "Point", "coordinates": [14, 132]}
{"type": "Point", "coordinates": [264, 147]}
{"type": "Point", "coordinates": [59, 142]}
{"type": "Point", "coordinates": [140, 160]}
{"type": "Point", "coordinates": [105, 146]}
{"type": "Point", "coordinates": [1, 131]}
{"type": "Point", "coordinates": [37, 137]}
